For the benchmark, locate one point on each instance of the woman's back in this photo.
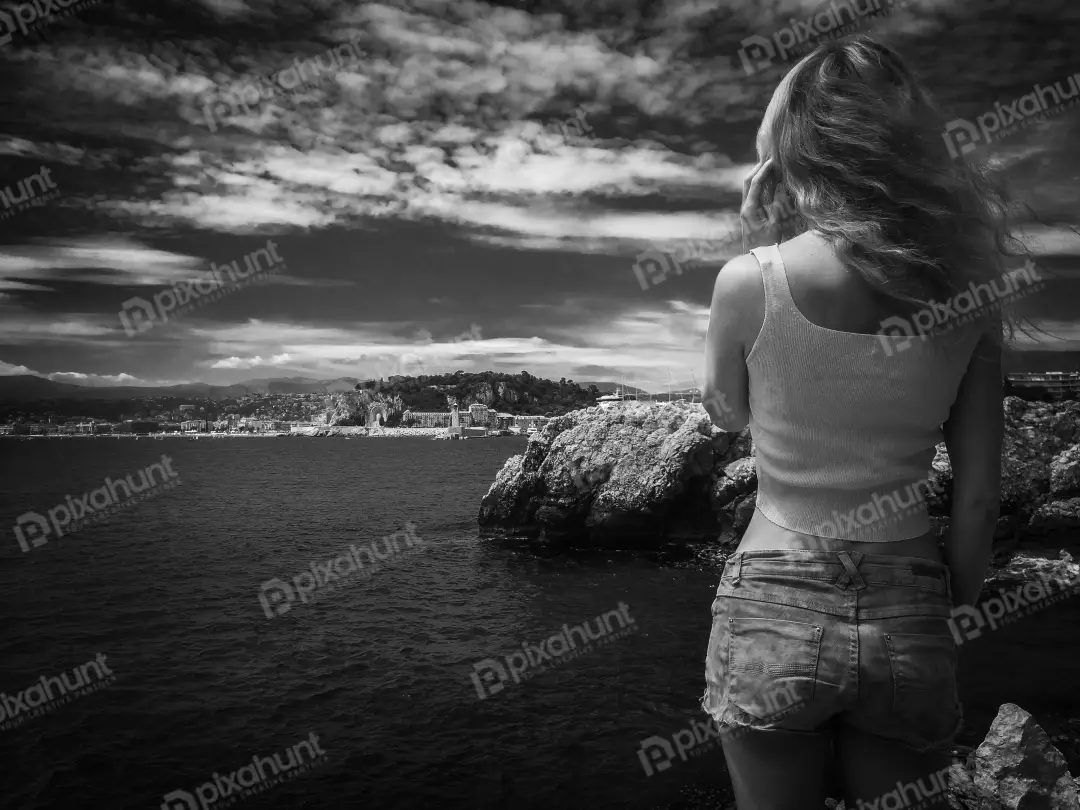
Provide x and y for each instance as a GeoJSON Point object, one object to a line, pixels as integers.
{"type": "Point", "coordinates": [845, 419]}
{"type": "Point", "coordinates": [831, 296]}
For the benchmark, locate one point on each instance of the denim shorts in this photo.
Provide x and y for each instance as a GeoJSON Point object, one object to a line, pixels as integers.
{"type": "Point", "coordinates": [803, 641]}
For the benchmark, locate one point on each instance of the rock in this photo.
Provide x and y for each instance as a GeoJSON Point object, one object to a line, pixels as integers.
{"type": "Point", "coordinates": [1006, 535]}
{"type": "Point", "coordinates": [739, 477]}
{"type": "Point", "coordinates": [1054, 515]}
{"type": "Point", "coordinates": [633, 476]}
{"type": "Point", "coordinates": [743, 512]}
{"type": "Point", "coordinates": [1059, 577]}
{"type": "Point", "coordinates": [1065, 472]}
{"type": "Point", "coordinates": [642, 474]}
{"type": "Point", "coordinates": [1020, 768]}
{"type": "Point", "coordinates": [508, 502]}
{"type": "Point", "coordinates": [506, 393]}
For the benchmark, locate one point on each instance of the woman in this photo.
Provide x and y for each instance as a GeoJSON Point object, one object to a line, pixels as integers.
{"type": "Point", "coordinates": [831, 647]}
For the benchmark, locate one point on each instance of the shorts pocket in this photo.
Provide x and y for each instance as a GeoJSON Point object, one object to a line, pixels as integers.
{"type": "Point", "coordinates": [924, 683]}
{"type": "Point", "coordinates": [772, 665]}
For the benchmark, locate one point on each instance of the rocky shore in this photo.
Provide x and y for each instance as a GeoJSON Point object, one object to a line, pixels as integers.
{"type": "Point", "coordinates": [643, 475]}
{"type": "Point", "coordinates": [647, 476]}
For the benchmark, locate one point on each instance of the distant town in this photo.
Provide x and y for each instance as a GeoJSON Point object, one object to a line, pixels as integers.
{"type": "Point", "coordinates": [302, 413]}
{"type": "Point", "coordinates": [207, 418]}
{"type": "Point", "coordinates": [293, 414]}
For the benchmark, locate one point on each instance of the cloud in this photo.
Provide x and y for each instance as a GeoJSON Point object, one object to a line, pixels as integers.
{"type": "Point", "coordinates": [79, 378]}
{"type": "Point", "coordinates": [252, 362]}
{"type": "Point", "coordinates": [9, 370]}
{"type": "Point", "coordinates": [112, 260]}
{"type": "Point", "coordinates": [648, 341]}
{"type": "Point", "coordinates": [465, 132]}
{"type": "Point", "coordinates": [78, 330]}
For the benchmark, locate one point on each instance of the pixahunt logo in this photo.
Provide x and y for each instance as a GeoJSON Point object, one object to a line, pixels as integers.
{"type": "Point", "coordinates": [27, 198]}
{"type": "Point", "coordinates": [962, 308]}
{"type": "Point", "coordinates": [262, 773]}
{"type": "Point", "coordinates": [41, 698]}
{"type": "Point", "coordinates": [300, 75]}
{"type": "Point", "coordinates": [139, 315]}
{"type": "Point", "coordinates": [963, 136]}
{"type": "Point", "coordinates": [27, 17]}
{"type": "Point", "coordinates": [656, 754]}
{"type": "Point", "coordinates": [278, 595]}
{"type": "Point", "coordinates": [490, 675]}
{"type": "Point", "coordinates": [758, 53]}
{"type": "Point", "coordinates": [967, 622]}
{"type": "Point", "coordinates": [34, 529]}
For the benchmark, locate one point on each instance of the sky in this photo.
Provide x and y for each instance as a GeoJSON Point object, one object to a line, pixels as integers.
{"type": "Point", "coordinates": [420, 186]}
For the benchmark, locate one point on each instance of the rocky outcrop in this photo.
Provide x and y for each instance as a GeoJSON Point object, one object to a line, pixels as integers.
{"type": "Point", "coordinates": [343, 410]}
{"type": "Point", "coordinates": [1065, 472]}
{"type": "Point", "coordinates": [506, 393]}
{"type": "Point", "coordinates": [1016, 767]}
{"type": "Point", "coordinates": [484, 393]}
{"type": "Point", "coordinates": [644, 474]}
{"type": "Point", "coordinates": [622, 477]}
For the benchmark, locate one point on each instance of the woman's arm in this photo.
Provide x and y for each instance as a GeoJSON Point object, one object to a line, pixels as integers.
{"type": "Point", "coordinates": [736, 313]}
{"type": "Point", "coordinates": [738, 302]}
{"type": "Point", "coordinates": [973, 436]}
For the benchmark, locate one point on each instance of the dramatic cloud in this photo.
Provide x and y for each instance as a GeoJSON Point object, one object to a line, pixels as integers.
{"type": "Point", "coordinates": [428, 165]}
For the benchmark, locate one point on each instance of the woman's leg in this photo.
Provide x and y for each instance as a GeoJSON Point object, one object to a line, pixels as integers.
{"type": "Point", "coordinates": [778, 770]}
{"type": "Point", "coordinates": [877, 773]}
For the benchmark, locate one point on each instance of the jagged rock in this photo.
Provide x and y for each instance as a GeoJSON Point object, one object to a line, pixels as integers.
{"type": "Point", "coordinates": [738, 478]}
{"type": "Point", "coordinates": [743, 512]}
{"type": "Point", "coordinates": [506, 393]}
{"type": "Point", "coordinates": [1065, 472]}
{"type": "Point", "coordinates": [484, 393]}
{"type": "Point", "coordinates": [508, 502]}
{"type": "Point", "coordinates": [1048, 426]}
{"type": "Point", "coordinates": [1060, 576]}
{"type": "Point", "coordinates": [1020, 768]}
{"type": "Point", "coordinates": [1057, 515]}
{"type": "Point", "coordinates": [632, 476]}
{"type": "Point", "coordinates": [644, 473]}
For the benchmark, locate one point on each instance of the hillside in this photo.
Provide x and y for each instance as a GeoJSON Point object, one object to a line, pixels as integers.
{"type": "Point", "coordinates": [509, 393]}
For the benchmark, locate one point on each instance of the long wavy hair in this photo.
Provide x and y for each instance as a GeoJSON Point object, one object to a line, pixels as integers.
{"type": "Point", "coordinates": [861, 150]}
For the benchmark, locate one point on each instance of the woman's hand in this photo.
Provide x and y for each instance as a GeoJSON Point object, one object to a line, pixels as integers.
{"type": "Point", "coordinates": [761, 221]}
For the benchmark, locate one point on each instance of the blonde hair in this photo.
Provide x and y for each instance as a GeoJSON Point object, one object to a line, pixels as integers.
{"type": "Point", "coordinates": [860, 147]}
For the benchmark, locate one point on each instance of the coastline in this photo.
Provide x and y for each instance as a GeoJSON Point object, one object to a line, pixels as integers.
{"type": "Point", "coordinates": [310, 433]}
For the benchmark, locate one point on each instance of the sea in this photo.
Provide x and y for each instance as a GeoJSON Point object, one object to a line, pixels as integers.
{"type": "Point", "coordinates": [164, 654]}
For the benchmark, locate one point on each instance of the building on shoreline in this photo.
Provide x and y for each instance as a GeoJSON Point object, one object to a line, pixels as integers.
{"type": "Point", "coordinates": [478, 419]}
{"type": "Point", "coordinates": [529, 423]}
{"type": "Point", "coordinates": [426, 419]}
{"type": "Point", "coordinates": [137, 426]}
{"type": "Point", "coordinates": [1054, 385]}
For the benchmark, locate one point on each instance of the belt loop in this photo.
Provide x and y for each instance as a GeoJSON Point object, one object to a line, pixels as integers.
{"type": "Point", "coordinates": [851, 571]}
{"type": "Point", "coordinates": [738, 569]}
{"type": "Point", "coordinates": [948, 586]}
